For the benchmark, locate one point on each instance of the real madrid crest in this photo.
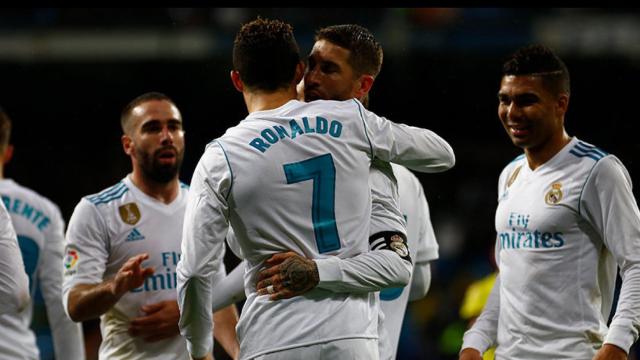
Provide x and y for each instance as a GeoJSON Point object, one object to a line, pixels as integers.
{"type": "Point", "coordinates": [554, 195]}
{"type": "Point", "coordinates": [397, 244]}
{"type": "Point", "coordinates": [129, 213]}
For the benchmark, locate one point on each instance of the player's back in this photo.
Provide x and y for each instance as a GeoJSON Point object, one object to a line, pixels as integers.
{"type": "Point", "coordinates": [300, 183]}
{"type": "Point", "coordinates": [34, 218]}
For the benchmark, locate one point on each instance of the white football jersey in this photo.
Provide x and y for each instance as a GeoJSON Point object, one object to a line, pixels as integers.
{"type": "Point", "coordinates": [292, 178]}
{"type": "Point", "coordinates": [40, 232]}
{"type": "Point", "coordinates": [561, 229]}
{"type": "Point", "coordinates": [105, 230]}
{"type": "Point", "coordinates": [14, 283]}
{"type": "Point", "coordinates": [423, 248]}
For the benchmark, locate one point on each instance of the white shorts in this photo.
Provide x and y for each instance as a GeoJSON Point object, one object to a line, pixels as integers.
{"type": "Point", "coordinates": [345, 349]}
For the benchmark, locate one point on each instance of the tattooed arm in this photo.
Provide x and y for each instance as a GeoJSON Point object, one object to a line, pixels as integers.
{"type": "Point", "coordinates": [289, 274]}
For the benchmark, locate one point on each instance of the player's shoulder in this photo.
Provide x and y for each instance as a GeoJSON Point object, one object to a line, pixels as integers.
{"type": "Point", "coordinates": [109, 195]}
{"type": "Point", "coordinates": [586, 153]}
{"type": "Point", "coordinates": [11, 188]}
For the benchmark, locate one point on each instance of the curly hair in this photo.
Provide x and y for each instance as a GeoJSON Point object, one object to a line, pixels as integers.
{"type": "Point", "coordinates": [266, 53]}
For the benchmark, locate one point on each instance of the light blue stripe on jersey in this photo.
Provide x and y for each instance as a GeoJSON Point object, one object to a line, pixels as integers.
{"type": "Point", "coordinates": [582, 149]}
{"type": "Point", "coordinates": [107, 192]}
{"type": "Point", "coordinates": [111, 195]}
{"type": "Point", "coordinates": [230, 169]}
{"type": "Point", "coordinates": [183, 185]}
{"type": "Point", "coordinates": [366, 133]}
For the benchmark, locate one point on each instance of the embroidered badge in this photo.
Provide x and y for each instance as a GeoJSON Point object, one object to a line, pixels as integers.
{"type": "Point", "coordinates": [397, 244]}
{"type": "Point", "coordinates": [513, 176]}
{"type": "Point", "coordinates": [554, 195]}
{"type": "Point", "coordinates": [129, 213]}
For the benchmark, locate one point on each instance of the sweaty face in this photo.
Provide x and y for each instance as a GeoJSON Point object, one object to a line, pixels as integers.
{"type": "Point", "coordinates": [158, 140]}
{"type": "Point", "coordinates": [529, 112]}
{"type": "Point", "coordinates": [329, 75]}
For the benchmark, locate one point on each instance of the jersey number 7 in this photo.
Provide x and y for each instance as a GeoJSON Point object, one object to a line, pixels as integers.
{"type": "Point", "coordinates": [322, 172]}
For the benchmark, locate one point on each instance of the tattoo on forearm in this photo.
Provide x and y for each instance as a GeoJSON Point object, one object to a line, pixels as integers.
{"type": "Point", "coordinates": [299, 274]}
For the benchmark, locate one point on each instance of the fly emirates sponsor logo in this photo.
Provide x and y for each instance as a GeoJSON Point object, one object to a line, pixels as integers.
{"type": "Point", "coordinates": [521, 237]}
{"type": "Point", "coordinates": [165, 277]}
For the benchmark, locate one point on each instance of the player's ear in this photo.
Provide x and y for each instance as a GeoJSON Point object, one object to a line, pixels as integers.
{"type": "Point", "coordinates": [235, 79]}
{"type": "Point", "coordinates": [127, 144]}
{"type": "Point", "coordinates": [299, 71]}
{"type": "Point", "coordinates": [7, 155]}
{"type": "Point", "coordinates": [365, 83]}
{"type": "Point", "coordinates": [562, 104]}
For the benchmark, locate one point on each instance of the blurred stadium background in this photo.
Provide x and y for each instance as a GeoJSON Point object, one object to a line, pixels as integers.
{"type": "Point", "coordinates": [67, 73]}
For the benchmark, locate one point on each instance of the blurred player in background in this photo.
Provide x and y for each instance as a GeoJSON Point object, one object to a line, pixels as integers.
{"type": "Point", "coordinates": [566, 219]}
{"type": "Point", "coordinates": [259, 178]}
{"type": "Point", "coordinates": [40, 232]}
{"type": "Point", "coordinates": [123, 244]}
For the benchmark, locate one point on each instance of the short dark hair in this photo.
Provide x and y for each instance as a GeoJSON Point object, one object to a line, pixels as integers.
{"type": "Point", "coordinates": [266, 53]}
{"type": "Point", "coordinates": [365, 53]}
{"type": "Point", "coordinates": [539, 60]}
{"type": "Point", "coordinates": [5, 129]}
{"type": "Point", "coordinates": [125, 116]}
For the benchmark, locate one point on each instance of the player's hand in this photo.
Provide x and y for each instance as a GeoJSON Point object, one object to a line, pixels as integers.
{"type": "Point", "coordinates": [470, 354]}
{"type": "Point", "coordinates": [131, 275]}
{"type": "Point", "coordinates": [287, 275]}
{"type": "Point", "coordinates": [159, 323]}
{"type": "Point", "coordinates": [610, 352]}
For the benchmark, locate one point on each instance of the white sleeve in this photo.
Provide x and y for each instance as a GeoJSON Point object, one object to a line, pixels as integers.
{"type": "Point", "coordinates": [420, 280]}
{"type": "Point", "coordinates": [205, 228]}
{"type": "Point", "coordinates": [230, 289]}
{"type": "Point", "coordinates": [385, 210]}
{"type": "Point", "coordinates": [14, 283]}
{"type": "Point", "coordinates": [427, 248]}
{"type": "Point", "coordinates": [68, 341]}
{"type": "Point", "coordinates": [416, 148]}
{"type": "Point", "coordinates": [86, 249]}
{"type": "Point", "coordinates": [366, 272]}
{"type": "Point", "coordinates": [484, 332]}
{"type": "Point", "coordinates": [609, 205]}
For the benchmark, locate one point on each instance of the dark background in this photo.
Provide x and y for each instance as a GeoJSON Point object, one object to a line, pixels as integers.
{"type": "Point", "coordinates": [441, 71]}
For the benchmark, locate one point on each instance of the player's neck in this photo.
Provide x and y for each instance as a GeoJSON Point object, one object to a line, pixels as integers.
{"type": "Point", "coordinates": [260, 100]}
{"type": "Point", "coordinates": [164, 192]}
{"type": "Point", "coordinates": [540, 155]}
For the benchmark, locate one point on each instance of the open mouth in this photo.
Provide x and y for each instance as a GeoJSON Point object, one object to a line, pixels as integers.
{"type": "Point", "coordinates": [519, 130]}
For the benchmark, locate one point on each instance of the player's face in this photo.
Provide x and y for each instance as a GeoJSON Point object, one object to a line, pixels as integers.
{"type": "Point", "coordinates": [329, 75]}
{"type": "Point", "coordinates": [531, 114]}
{"type": "Point", "coordinates": [158, 140]}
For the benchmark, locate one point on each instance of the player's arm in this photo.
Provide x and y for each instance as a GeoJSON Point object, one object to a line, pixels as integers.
{"type": "Point", "coordinates": [230, 289]}
{"type": "Point", "coordinates": [416, 148]}
{"type": "Point", "coordinates": [225, 321]}
{"type": "Point", "coordinates": [68, 341]}
{"type": "Point", "coordinates": [14, 283]}
{"type": "Point", "coordinates": [609, 205]}
{"type": "Point", "coordinates": [88, 301]}
{"type": "Point", "coordinates": [204, 231]}
{"type": "Point", "coordinates": [484, 331]}
{"type": "Point", "coordinates": [388, 264]}
{"type": "Point", "coordinates": [426, 245]}
{"type": "Point", "coordinates": [85, 294]}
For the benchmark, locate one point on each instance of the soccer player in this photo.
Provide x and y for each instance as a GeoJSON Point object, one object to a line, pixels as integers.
{"type": "Point", "coordinates": [123, 244]}
{"type": "Point", "coordinates": [293, 176]}
{"type": "Point", "coordinates": [14, 283]}
{"type": "Point", "coordinates": [40, 232]}
{"type": "Point", "coordinates": [343, 64]}
{"type": "Point", "coordinates": [566, 217]}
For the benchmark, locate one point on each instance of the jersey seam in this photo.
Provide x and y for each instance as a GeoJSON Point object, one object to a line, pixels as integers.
{"type": "Point", "coordinates": [229, 166]}
{"type": "Point", "coordinates": [364, 124]}
{"type": "Point", "coordinates": [585, 184]}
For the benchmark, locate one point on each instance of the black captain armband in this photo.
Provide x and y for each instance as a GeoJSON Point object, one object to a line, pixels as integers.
{"type": "Point", "coordinates": [390, 240]}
